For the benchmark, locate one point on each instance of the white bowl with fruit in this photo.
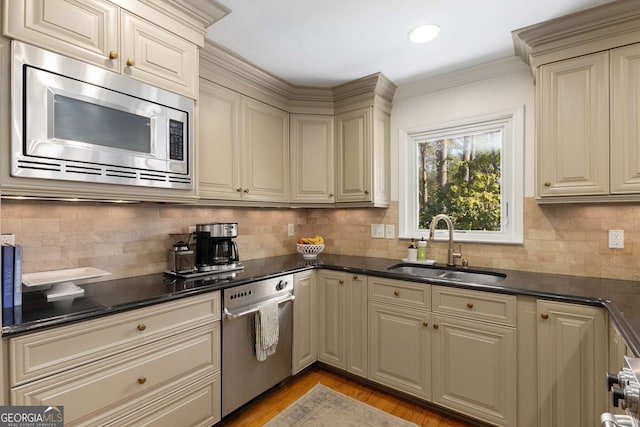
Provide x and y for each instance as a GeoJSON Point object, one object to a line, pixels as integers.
{"type": "Point", "coordinates": [310, 247]}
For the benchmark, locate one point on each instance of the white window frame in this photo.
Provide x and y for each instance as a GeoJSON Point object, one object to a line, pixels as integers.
{"type": "Point", "coordinates": [511, 122]}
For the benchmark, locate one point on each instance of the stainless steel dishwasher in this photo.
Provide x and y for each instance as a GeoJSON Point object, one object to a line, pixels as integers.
{"type": "Point", "coordinates": [243, 376]}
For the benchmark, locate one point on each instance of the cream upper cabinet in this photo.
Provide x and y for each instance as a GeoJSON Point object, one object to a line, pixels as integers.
{"type": "Point", "coordinates": [572, 362]}
{"type": "Point", "coordinates": [218, 151]}
{"type": "Point", "coordinates": [305, 319]}
{"type": "Point", "coordinates": [312, 158]}
{"type": "Point", "coordinates": [98, 32]}
{"type": "Point", "coordinates": [243, 147]}
{"type": "Point", "coordinates": [342, 321]}
{"type": "Point", "coordinates": [362, 156]}
{"type": "Point", "coordinates": [265, 152]}
{"type": "Point", "coordinates": [625, 120]}
{"type": "Point", "coordinates": [573, 127]}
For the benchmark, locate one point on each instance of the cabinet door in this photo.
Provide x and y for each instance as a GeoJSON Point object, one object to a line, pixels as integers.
{"type": "Point", "coordinates": [572, 355]}
{"type": "Point", "coordinates": [354, 155]}
{"type": "Point", "coordinates": [573, 127]}
{"type": "Point", "coordinates": [158, 57]}
{"type": "Point", "coordinates": [625, 119]}
{"type": "Point", "coordinates": [312, 158]}
{"type": "Point", "coordinates": [331, 319]}
{"type": "Point", "coordinates": [399, 348]}
{"type": "Point", "coordinates": [356, 324]}
{"type": "Point", "coordinates": [265, 152]}
{"type": "Point", "coordinates": [474, 369]}
{"type": "Point", "coordinates": [83, 29]}
{"type": "Point", "coordinates": [218, 142]}
{"type": "Point", "coordinates": [304, 320]}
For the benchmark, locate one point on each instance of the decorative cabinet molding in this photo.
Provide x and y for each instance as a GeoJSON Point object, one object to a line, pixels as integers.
{"type": "Point", "coordinates": [305, 320]}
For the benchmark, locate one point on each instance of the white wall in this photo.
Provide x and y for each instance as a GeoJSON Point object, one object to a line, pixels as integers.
{"type": "Point", "coordinates": [489, 88]}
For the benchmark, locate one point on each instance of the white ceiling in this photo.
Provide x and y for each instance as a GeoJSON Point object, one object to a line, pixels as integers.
{"type": "Point", "coordinates": [329, 42]}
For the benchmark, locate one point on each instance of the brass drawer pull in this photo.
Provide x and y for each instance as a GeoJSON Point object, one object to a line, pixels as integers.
{"type": "Point", "coordinates": [469, 305]}
{"type": "Point", "coordinates": [142, 380]}
{"type": "Point", "coordinates": [435, 326]}
{"type": "Point", "coordinates": [425, 323]}
{"type": "Point", "coordinates": [142, 327]}
{"type": "Point", "coordinates": [130, 62]}
{"type": "Point", "coordinates": [396, 293]}
{"type": "Point", "coordinates": [547, 183]}
{"type": "Point", "coordinates": [341, 281]}
{"type": "Point", "coordinates": [355, 277]}
{"type": "Point", "coordinates": [113, 54]}
{"type": "Point", "coordinates": [545, 316]}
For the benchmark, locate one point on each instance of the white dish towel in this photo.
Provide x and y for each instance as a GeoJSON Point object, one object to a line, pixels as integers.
{"type": "Point", "coordinates": [267, 330]}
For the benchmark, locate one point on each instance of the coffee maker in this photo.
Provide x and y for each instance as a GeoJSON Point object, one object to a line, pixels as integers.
{"type": "Point", "coordinates": [216, 249]}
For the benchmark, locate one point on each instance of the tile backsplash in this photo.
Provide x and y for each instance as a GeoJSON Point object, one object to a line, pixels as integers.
{"type": "Point", "coordinates": [131, 240]}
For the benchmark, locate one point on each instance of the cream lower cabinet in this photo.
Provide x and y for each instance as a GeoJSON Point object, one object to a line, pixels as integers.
{"type": "Point", "coordinates": [342, 321]}
{"type": "Point", "coordinates": [305, 319]}
{"type": "Point", "coordinates": [158, 365]}
{"type": "Point", "coordinates": [399, 339]}
{"type": "Point", "coordinates": [572, 362]}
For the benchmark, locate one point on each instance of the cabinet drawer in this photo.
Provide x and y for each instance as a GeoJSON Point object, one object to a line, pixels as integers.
{"type": "Point", "coordinates": [96, 388]}
{"type": "Point", "coordinates": [397, 291]}
{"type": "Point", "coordinates": [45, 353]}
{"type": "Point", "coordinates": [478, 305]}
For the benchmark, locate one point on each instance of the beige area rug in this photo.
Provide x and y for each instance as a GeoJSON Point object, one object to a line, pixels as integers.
{"type": "Point", "coordinates": [322, 406]}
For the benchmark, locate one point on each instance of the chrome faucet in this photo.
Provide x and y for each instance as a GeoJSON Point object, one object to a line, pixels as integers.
{"type": "Point", "coordinates": [452, 256]}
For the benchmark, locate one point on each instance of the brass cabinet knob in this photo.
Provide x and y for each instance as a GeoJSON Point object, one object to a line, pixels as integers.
{"type": "Point", "coordinates": [396, 293]}
{"type": "Point", "coordinates": [547, 183]}
{"type": "Point", "coordinates": [341, 281]}
{"type": "Point", "coordinates": [355, 277]}
{"type": "Point", "coordinates": [246, 190]}
{"type": "Point", "coordinates": [142, 380]}
{"type": "Point", "coordinates": [130, 62]}
{"type": "Point", "coordinates": [113, 54]}
{"type": "Point", "coordinates": [545, 316]}
{"type": "Point", "coordinates": [425, 323]}
{"type": "Point", "coordinates": [469, 305]}
{"type": "Point", "coordinates": [435, 326]}
{"type": "Point", "coordinates": [142, 327]}
{"type": "Point", "coordinates": [239, 190]}
{"type": "Point", "coordinates": [331, 195]}
{"type": "Point", "coordinates": [366, 191]}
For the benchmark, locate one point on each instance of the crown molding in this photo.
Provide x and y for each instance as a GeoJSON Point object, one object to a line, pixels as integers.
{"type": "Point", "coordinates": [602, 27]}
{"type": "Point", "coordinates": [485, 71]}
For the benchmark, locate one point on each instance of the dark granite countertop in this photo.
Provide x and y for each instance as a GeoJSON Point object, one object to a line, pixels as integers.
{"type": "Point", "coordinates": [619, 297]}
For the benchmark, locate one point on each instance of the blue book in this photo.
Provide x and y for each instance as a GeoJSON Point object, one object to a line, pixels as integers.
{"type": "Point", "coordinates": [7, 276]}
{"type": "Point", "coordinates": [17, 275]}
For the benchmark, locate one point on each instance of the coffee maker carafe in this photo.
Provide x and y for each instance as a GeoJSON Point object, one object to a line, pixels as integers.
{"type": "Point", "coordinates": [215, 247]}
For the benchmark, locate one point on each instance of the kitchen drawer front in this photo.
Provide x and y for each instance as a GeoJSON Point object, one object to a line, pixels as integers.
{"type": "Point", "coordinates": [397, 291]}
{"type": "Point", "coordinates": [45, 353]}
{"type": "Point", "coordinates": [194, 404]}
{"type": "Point", "coordinates": [96, 388]}
{"type": "Point", "coordinates": [487, 306]}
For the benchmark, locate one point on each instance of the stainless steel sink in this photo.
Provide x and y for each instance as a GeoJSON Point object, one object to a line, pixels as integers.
{"type": "Point", "coordinates": [467, 276]}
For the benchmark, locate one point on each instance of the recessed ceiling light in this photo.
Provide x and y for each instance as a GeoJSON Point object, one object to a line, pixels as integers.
{"type": "Point", "coordinates": [424, 33]}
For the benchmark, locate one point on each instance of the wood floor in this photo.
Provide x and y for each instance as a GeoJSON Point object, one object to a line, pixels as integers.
{"type": "Point", "coordinates": [263, 409]}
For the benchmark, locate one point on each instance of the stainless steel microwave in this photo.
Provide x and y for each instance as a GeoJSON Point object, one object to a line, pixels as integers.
{"type": "Point", "coordinates": [79, 122]}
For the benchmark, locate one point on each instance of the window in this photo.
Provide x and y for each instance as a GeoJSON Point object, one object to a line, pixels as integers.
{"type": "Point", "coordinates": [470, 170]}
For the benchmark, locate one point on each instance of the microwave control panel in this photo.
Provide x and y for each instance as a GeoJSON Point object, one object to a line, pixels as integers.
{"type": "Point", "coordinates": [176, 140]}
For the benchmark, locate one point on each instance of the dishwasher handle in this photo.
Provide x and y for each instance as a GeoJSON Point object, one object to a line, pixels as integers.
{"type": "Point", "coordinates": [249, 309]}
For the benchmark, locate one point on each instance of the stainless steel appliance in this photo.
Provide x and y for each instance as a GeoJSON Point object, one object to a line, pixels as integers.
{"type": "Point", "coordinates": [243, 376]}
{"type": "Point", "coordinates": [216, 249]}
{"type": "Point", "coordinates": [79, 122]}
{"type": "Point", "coordinates": [625, 393]}
{"type": "Point", "coordinates": [181, 258]}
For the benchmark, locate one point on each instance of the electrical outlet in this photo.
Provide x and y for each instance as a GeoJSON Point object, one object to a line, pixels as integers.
{"type": "Point", "coordinates": [290, 230]}
{"type": "Point", "coordinates": [8, 239]}
{"type": "Point", "coordinates": [389, 231]}
{"type": "Point", "coordinates": [616, 239]}
{"type": "Point", "coordinates": [377, 231]}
